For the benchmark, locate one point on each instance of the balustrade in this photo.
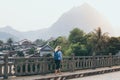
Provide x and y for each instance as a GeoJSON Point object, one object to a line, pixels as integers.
{"type": "Point", "coordinates": [41, 65]}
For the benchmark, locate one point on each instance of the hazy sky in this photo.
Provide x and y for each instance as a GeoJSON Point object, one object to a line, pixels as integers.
{"type": "Point", "coordinates": [25, 15]}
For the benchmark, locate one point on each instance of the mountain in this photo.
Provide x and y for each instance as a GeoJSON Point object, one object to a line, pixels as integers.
{"type": "Point", "coordinates": [38, 34]}
{"type": "Point", "coordinates": [5, 36]}
{"type": "Point", "coordinates": [10, 30]}
{"type": "Point", "coordinates": [85, 17]}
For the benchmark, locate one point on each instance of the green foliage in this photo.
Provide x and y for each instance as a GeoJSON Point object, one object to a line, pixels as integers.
{"type": "Point", "coordinates": [68, 51]}
{"type": "Point", "coordinates": [58, 41]}
{"type": "Point", "coordinates": [20, 54]}
{"type": "Point", "coordinates": [10, 41]}
{"type": "Point", "coordinates": [1, 42]}
{"type": "Point", "coordinates": [82, 44]}
{"type": "Point", "coordinates": [114, 45]}
{"type": "Point", "coordinates": [76, 35]}
{"type": "Point", "coordinates": [76, 49]}
{"type": "Point", "coordinates": [49, 55]}
{"type": "Point", "coordinates": [98, 41]}
{"type": "Point", "coordinates": [31, 51]}
{"type": "Point", "coordinates": [39, 42]}
{"type": "Point", "coordinates": [61, 41]}
{"type": "Point", "coordinates": [79, 49]}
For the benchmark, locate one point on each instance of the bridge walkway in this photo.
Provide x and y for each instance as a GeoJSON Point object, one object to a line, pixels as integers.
{"type": "Point", "coordinates": [67, 75]}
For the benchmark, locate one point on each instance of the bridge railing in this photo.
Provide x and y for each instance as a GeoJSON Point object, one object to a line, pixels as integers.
{"type": "Point", "coordinates": [20, 66]}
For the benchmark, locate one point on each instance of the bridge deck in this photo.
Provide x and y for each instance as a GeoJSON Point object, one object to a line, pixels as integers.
{"type": "Point", "coordinates": [109, 76]}
{"type": "Point", "coordinates": [67, 75]}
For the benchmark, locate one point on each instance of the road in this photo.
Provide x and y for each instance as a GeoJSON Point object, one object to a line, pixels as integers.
{"type": "Point", "coordinates": [108, 76]}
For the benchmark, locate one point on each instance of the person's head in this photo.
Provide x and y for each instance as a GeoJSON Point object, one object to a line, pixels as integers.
{"type": "Point", "coordinates": [57, 48]}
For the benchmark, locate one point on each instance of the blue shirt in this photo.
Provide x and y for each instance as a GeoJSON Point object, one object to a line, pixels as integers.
{"type": "Point", "coordinates": [58, 55]}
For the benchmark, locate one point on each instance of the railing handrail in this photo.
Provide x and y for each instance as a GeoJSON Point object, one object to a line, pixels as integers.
{"type": "Point", "coordinates": [19, 66]}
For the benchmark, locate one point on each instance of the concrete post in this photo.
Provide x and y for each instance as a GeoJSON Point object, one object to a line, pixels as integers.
{"type": "Point", "coordinates": [73, 62]}
{"type": "Point", "coordinates": [93, 61]}
{"type": "Point", "coordinates": [44, 67]}
{"type": "Point", "coordinates": [110, 59]}
{"type": "Point", "coordinates": [6, 66]}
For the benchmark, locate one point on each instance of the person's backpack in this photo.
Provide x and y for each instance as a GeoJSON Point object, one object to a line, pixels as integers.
{"type": "Point", "coordinates": [56, 55]}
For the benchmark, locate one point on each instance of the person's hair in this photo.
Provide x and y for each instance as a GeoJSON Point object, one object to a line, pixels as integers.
{"type": "Point", "coordinates": [57, 48]}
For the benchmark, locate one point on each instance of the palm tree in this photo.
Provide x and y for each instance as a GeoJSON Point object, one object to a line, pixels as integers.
{"type": "Point", "coordinates": [99, 40]}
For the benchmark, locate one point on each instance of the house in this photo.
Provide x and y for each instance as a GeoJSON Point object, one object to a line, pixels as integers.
{"type": "Point", "coordinates": [46, 50]}
{"type": "Point", "coordinates": [118, 54]}
{"type": "Point", "coordinates": [25, 43]}
{"type": "Point", "coordinates": [8, 52]}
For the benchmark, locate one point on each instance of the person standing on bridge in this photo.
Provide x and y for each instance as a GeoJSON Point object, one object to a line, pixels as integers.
{"type": "Point", "coordinates": [58, 59]}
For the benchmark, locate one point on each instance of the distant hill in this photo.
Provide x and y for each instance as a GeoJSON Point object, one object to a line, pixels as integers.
{"type": "Point", "coordinates": [84, 17]}
{"type": "Point", "coordinates": [8, 32]}
{"type": "Point", "coordinates": [5, 36]}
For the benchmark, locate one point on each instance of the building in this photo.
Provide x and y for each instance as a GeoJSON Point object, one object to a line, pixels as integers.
{"type": "Point", "coordinates": [46, 50]}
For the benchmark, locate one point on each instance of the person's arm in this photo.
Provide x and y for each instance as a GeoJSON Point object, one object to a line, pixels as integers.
{"type": "Point", "coordinates": [60, 55]}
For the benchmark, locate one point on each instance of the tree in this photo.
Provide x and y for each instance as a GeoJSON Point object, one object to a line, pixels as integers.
{"type": "Point", "coordinates": [61, 41]}
{"type": "Point", "coordinates": [1, 42]}
{"type": "Point", "coordinates": [39, 42]}
{"type": "Point", "coordinates": [88, 38]}
{"type": "Point", "coordinates": [79, 49]}
{"type": "Point", "coordinates": [20, 54]}
{"type": "Point", "coordinates": [31, 51]}
{"type": "Point", "coordinates": [58, 41]}
{"type": "Point", "coordinates": [9, 42]}
{"type": "Point", "coordinates": [99, 41]}
{"type": "Point", "coordinates": [114, 45]}
{"type": "Point", "coordinates": [68, 51]}
{"type": "Point", "coordinates": [1, 45]}
{"type": "Point", "coordinates": [119, 38]}
{"type": "Point", "coordinates": [78, 42]}
{"type": "Point", "coordinates": [76, 35]}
